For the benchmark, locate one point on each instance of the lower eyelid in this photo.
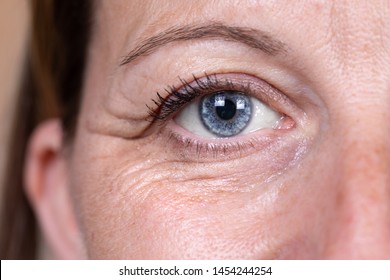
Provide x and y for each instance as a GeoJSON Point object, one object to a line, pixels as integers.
{"type": "Point", "coordinates": [189, 147]}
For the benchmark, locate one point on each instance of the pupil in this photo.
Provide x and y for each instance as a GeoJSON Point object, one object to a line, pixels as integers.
{"type": "Point", "coordinates": [228, 111]}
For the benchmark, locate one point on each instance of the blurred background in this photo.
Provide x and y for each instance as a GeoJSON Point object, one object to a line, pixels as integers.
{"type": "Point", "coordinates": [14, 30]}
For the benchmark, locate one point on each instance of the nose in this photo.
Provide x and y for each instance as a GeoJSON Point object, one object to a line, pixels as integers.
{"type": "Point", "coordinates": [360, 223]}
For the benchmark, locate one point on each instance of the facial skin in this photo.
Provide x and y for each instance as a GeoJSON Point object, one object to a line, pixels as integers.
{"type": "Point", "coordinates": [318, 187]}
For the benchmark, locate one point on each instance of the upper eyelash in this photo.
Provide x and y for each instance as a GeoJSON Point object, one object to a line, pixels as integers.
{"type": "Point", "coordinates": [177, 98]}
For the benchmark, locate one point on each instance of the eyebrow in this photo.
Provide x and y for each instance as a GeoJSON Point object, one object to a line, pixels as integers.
{"type": "Point", "coordinates": [254, 38]}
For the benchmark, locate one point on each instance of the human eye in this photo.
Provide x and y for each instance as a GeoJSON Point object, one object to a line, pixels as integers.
{"type": "Point", "coordinates": [222, 113]}
{"type": "Point", "coordinates": [227, 113]}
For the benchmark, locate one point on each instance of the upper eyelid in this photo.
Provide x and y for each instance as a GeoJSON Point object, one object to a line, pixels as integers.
{"type": "Point", "coordinates": [172, 90]}
{"type": "Point", "coordinates": [211, 83]}
{"type": "Point", "coordinates": [187, 92]}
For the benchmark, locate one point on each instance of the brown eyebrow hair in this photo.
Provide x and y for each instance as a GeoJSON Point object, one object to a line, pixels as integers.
{"type": "Point", "coordinates": [251, 37]}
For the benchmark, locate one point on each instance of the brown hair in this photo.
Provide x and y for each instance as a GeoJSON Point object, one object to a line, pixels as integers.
{"type": "Point", "coordinates": [51, 88]}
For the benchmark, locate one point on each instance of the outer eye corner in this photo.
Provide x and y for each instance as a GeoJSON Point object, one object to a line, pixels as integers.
{"type": "Point", "coordinates": [285, 123]}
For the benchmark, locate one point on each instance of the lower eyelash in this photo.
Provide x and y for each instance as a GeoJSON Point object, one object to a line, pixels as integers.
{"type": "Point", "coordinates": [190, 148]}
{"type": "Point", "coordinates": [214, 149]}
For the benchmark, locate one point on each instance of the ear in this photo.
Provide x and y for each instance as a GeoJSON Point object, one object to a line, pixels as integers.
{"type": "Point", "coordinates": [47, 186]}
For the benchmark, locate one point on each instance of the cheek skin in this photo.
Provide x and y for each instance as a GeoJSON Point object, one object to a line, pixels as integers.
{"type": "Point", "coordinates": [163, 209]}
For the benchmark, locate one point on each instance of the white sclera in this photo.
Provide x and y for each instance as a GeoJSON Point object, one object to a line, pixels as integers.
{"type": "Point", "coordinates": [262, 117]}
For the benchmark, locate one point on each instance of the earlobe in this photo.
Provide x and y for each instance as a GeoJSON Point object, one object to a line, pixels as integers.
{"type": "Point", "coordinates": [47, 186]}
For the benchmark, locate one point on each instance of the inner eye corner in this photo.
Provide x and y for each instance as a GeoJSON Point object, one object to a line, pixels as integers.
{"type": "Point", "coordinates": [286, 122]}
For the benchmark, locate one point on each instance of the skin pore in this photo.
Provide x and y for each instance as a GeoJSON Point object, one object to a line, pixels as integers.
{"type": "Point", "coordinates": [315, 186]}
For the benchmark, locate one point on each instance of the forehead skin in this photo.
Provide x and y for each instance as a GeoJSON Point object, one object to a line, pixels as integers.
{"type": "Point", "coordinates": [299, 198]}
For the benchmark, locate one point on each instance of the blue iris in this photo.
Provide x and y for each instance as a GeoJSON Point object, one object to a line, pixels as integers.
{"type": "Point", "coordinates": [226, 113]}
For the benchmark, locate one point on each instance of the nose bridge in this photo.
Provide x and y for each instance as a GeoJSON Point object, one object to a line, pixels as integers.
{"type": "Point", "coordinates": [361, 213]}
